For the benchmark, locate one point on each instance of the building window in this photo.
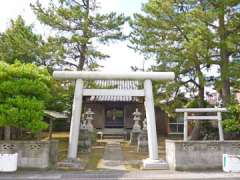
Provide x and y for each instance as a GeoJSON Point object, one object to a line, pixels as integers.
{"type": "Point", "coordinates": [114, 118]}
{"type": "Point", "coordinates": [176, 125]}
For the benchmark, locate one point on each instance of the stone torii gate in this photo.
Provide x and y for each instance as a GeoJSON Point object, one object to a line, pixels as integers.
{"type": "Point", "coordinates": [153, 160]}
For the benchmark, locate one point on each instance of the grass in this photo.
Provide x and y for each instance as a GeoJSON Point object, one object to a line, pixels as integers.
{"type": "Point", "coordinates": [130, 152]}
{"type": "Point", "coordinates": [62, 137]}
{"type": "Point", "coordinates": [131, 157]}
{"type": "Point", "coordinates": [95, 156]}
{"type": "Point", "coordinates": [90, 159]}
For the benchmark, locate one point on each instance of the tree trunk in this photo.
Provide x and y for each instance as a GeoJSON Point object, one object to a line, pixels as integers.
{"type": "Point", "coordinates": [82, 58]}
{"type": "Point", "coordinates": [224, 64]}
{"type": "Point", "coordinates": [197, 128]}
{"type": "Point", "coordinates": [7, 133]}
{"type": "Point", "coordinates": [83, 46]}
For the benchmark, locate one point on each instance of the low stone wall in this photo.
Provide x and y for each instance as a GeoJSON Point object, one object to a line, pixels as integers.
{"type": "Point", "coordinates": [32, 154]}
{"type": "Point", "coordinates": [198, 155]}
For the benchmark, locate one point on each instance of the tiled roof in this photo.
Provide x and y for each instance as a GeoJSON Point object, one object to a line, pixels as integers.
{"type": "Point", "coordinates": [55, 114]}
{"type": "Point", "coordinates": [116, 84]}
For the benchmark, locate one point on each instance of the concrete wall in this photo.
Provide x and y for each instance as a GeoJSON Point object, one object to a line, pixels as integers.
{"type": "Point", "coordinates": [198, 155]}
{"type": "Point", "coordinates": [32, 154]}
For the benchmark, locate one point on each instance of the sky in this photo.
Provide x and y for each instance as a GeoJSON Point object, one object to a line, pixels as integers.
{"type": "Point", "coordinates": [121, 57]}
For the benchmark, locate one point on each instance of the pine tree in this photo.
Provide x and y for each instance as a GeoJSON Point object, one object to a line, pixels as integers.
{"type": "Point", "coordinates": [165, 33]}
{"type": "Point", "coordinates": [191, 38]}
{"type": "Point", "coordinates": [80, 28]}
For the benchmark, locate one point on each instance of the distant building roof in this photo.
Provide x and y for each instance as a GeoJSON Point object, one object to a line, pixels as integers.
{"type": "Point", "coordinates": [55, 114]}
{"type": "Point", "coordinates": [116, 84]}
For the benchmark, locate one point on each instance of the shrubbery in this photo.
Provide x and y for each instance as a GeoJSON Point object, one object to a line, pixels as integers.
{"type": "Point", "coordinates": [232, 122]}
{"type": "Point", "coordinates": [24, 92]}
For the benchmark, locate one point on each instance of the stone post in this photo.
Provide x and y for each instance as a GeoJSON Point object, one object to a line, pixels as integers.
{"type": "Point", "coordinates": [220, 129]}
{"type": "Point", "coordinates": [75, 121]}
{"type": "Point", "coordinates": [151, 122]}
{"type": "Point", "coordinates": [185, 130]}
{"type": "Point", "coordinates": [152, 162]}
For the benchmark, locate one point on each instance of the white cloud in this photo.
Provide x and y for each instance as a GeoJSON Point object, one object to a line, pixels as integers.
{"type": "Point", "coordinates": [109, 5]}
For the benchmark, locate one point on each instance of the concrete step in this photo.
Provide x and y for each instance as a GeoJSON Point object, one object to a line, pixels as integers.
{"type": "Point", "coordinates": [155, 164]}
{"type": "Point", "coordinates": [113, 137]}
{"type": "Point", "coordinates": [113, 131]}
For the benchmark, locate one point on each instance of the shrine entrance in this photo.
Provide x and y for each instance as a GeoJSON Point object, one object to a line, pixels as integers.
{"type": "Point", "coordinates": [114, 117]}
{"type": "Point", "coordinates": [147, 92]}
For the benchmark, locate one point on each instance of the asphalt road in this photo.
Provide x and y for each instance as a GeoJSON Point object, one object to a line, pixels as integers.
{"type": "Point", "coordinates": [117, 175]}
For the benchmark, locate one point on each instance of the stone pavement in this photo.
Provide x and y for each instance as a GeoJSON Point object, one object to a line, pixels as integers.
{"type": "Point", "coordinates": [113, 156]}
{"type": "Point", "coordinates": [117, 175]}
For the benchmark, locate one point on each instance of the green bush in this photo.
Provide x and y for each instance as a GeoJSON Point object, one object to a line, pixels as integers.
{"type": "Point", "coordinates": [232, 121]}
{"type": "Point", "coordinates": [24, 92]}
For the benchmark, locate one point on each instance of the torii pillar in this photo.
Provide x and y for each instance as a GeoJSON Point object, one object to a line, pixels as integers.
{"type": "Point", "coordinates": [153, 161]}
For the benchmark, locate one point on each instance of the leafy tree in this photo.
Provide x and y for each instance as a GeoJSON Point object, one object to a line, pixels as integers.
{"type": "Point", "coordinates": [19, 42]}
{"type": "Point", "coordinates": [61, 96]}
{"type": "Point", "coordinates": [232, 122]}
{"type": "Point", "coordinates": [80, 29]}
{"type": "Point", "coordinates": [24, 93]}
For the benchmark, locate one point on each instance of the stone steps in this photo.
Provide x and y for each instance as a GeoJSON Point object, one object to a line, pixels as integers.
{"type": "Point", "coordinates": [113, 133]}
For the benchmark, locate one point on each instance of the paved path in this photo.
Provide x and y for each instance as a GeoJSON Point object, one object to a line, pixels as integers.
{"type": "Point", "coordinates": [118, 175]}
{"type": "Point", "coordinates": [113, 156]}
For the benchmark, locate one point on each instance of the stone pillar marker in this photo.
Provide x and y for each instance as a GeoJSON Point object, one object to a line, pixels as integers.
{"type": "Point", "coordinates": [75, 121]}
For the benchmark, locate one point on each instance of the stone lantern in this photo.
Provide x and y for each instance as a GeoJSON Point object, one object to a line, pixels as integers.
{"type": "Point", "coordinates": [145, 125]}
{"type": "Point", "coordinates": [89, 118]}
{"type": "Point", "coordinates": [83, 123]}
{"type": "Point", "coordinates": [136, 130]}
{"type": "Point", "coordinates": [86, 129]}
{"type": "Point", "coordinates": [137, 119]}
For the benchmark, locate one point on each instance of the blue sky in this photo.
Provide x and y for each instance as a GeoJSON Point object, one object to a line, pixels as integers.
{"type": "Point", "coordinates": [121, 56]}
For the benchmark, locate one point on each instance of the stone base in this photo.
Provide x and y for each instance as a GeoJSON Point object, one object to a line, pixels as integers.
{"type": "Point", "coordinates": [74, 164]}
{"type": "Point", "coordinates": [154, 164]}
{"type": "Point", "coordinates": [142, 145]}
{"type": "Point", "coordinates": [85, 140]}
{"type": "Point", "coordinates": [134, 137]}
